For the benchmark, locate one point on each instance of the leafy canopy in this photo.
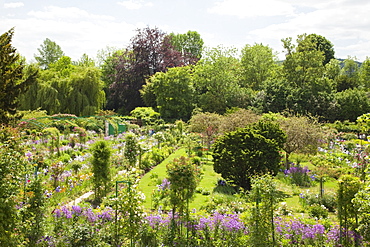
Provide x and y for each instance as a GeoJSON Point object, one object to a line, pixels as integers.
{"type": "Point", "coordinates": [249, 151]}
{"type": "Point", "coordinates": [48, 53]}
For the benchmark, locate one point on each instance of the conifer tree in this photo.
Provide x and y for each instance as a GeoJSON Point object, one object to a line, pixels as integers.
{"type": "Point", "coordinates": [13, 81]}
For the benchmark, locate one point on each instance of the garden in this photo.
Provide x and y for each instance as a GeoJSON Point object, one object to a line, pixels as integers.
{"type": "Point", "coordinates": [65, 182]}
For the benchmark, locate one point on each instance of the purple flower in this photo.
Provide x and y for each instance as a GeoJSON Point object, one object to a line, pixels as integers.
{"type": "Point", "coordinates": [106, 215]}
{"type": "Point", "coordinates": [58, 213]}
{"type": "Point", "coordinates": [57, 189]}
{"type": "Point", "coordinates": [89, 214]}
{"type": "Point", "coordinates": [67, 213]}
{"type": "Point", "coordinates": [165, 184]}
{"type": "Point", "coordinates": [76, 210]}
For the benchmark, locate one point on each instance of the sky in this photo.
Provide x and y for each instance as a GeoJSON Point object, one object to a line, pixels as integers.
{"type": "Point", "coordinates": [87, 26]}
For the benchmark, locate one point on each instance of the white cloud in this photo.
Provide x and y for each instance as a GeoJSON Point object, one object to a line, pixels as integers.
{"type": "Point", "coordinates": [135, 4]}
{"type": "Point", "coordinates": [346, 26]}
{"type": "Point", "coordinates": [67, 14]}
{"type": "Point", "coordinates": [243, 8]}
{"type": "Point", "coordinates": [13, 5]}
{"type": "Point", "coordinates": [75, 30]}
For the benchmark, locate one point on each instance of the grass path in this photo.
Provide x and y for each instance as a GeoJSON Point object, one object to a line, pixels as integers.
{"type": "Point", "coordinates": [147, 185]}
{"type": "Point", "coordinates": [207, 183]}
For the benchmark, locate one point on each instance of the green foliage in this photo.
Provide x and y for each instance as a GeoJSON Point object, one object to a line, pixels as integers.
{"type": "Point", "coordinates": [265, 198]}
{"type": "Point", "coordinates": [188, 43]}
{"type": "Point", "coordinates": [304, 71]}
{"type": "Point", "coordinates": [130, 210]}
{"type": "Point", "coordinates": [132, 148]}
{"type": "Point", "coordinates": [66, 88]}
{"type": "Point", "coordinates": [174, 93]}
{"type": "Point", "coordinates": [183, 176]}
{"type": "Point", "coordinates": [225, 204]}
{"type": "Point", "coordinates": [328, 200]}
{"type": "Point", "coordinates": [147, 114]}
{"type": "Point", "coordinates": [12, 166]}
{"type": "Point", "coordinates": [85, 61]}
{"type": "Point", "coordinates": [249, 151]}
{"type": "Point", "coordinates": [362, 202]}
{"type": "Point", "coordinates": [13, 78]}
{"type": "Point", "coordinates": [101, 155]}
{"type": "Point", "coordinates": [217, 78]}
{"type": "Point", "coordinates": [347, 210]}
{"type": "Point", "coordinates": [86, 96]}
{"type": "Point", "coordinates": [320, 44]}
{"type": "Point", "coordinates": [318, 211]}
{"type": "Point", "coordinates": [48, 53]}
{"type": "Point", "coordinates": [304, 65]}
{"type": "Point", "coordinates": [258, 63]}
{"type": "Point", "coordinates": [351, 104]}
{"type": "Point", "coordinates": [303, 134]}
{"type": "Point", "coordinates": [364, 74]}
{"type": "Point", "coordinates": [32, 213]}
{"type": "Point", "coordinates": [238, 118]}
{"type": "Point", "coordinates": [363, 121]}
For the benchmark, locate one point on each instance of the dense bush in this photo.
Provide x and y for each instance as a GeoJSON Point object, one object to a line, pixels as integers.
{"type": "Point", "coordinates": [249, 151]}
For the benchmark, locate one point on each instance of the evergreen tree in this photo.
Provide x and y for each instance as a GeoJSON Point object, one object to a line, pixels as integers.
{"type": "Point", "coordinates": [13, 81]}
{"type": "Point", "coordinates": [253, 150]}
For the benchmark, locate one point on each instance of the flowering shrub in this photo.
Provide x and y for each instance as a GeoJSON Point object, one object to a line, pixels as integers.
{"type": "Point", "coordinates": [295, 232]}
{"type": "Point", "coordinates": [78, 226]}
{"type": "Point", "coordinates": [161, 195]}
{"type": "Point", "coordinates": [318, 211]}
{"type": "Point", "coordinates": [299, 175]}
{"type": "Point", "coordinates": [328, 200]}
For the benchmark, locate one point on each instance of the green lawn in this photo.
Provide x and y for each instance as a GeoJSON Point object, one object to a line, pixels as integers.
{"type": "Point", "coordinates": [147, 184]}
{"type": "Point", "coordinates": [208, 182]}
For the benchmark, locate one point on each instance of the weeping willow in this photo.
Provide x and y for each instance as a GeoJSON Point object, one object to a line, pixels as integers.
{"type": "Point", "coordinates": [79, 92]}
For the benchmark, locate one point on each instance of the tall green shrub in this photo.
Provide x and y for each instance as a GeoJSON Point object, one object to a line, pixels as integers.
{"type": "Point", "coordinates": [362, 202]}
{"type": "Point", "coordinates": [348, 186]}
{"type": "Point", "coordinates": [12, 166]}
{"type": "Point", "coordinates": [132, 148]}
{"type": "Point", "coordinates": [101, 153]}
{"type": "Point", "coordinates": [183, 176]}
{"type": "Point", "coordinates": [265, 198]}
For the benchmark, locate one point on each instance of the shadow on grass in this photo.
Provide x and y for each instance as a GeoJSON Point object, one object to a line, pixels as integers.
{"type": "Point", "coordinates": [225, 189]}
{"type": "Point", "coordinates": [231, 190]}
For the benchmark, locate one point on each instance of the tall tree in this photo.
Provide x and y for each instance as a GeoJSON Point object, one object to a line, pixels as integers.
{"type": "Point", "coordinates": [85, 61]}
{"type": "Point", "coordinates": [48, 53]}
{"type": "Point", "coordinates": [190, 44]}
{"type": "Point", "coordinates": [320, 44]}
{"type": "Point", "coordinates": [66, 88]}
{"type": "Point", "coordinates": [217, 81]}
{"type": "Point", "coordinates": [258, 63]}
{"type": "Point", "coordinates": [174, 93]}
{"type": "Point", "coordinates": [106, 60]}
{"type": "Point", "coordinates": [349, 75]}
{"type": "Point", "coordinates": [149, 52]}
{"type": "Point", "coordinates": [87, 95]}
{"type": "Point", "coordinates": [304, 70]}
{"type": "Point", "coordinates": [351, 103]}
{"type": "Point", "coordinates": [303, 133]}
{"type": "Point", "coordinates": [13, 79]}
{"type": "Point", "coordinates": [365, 74]}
